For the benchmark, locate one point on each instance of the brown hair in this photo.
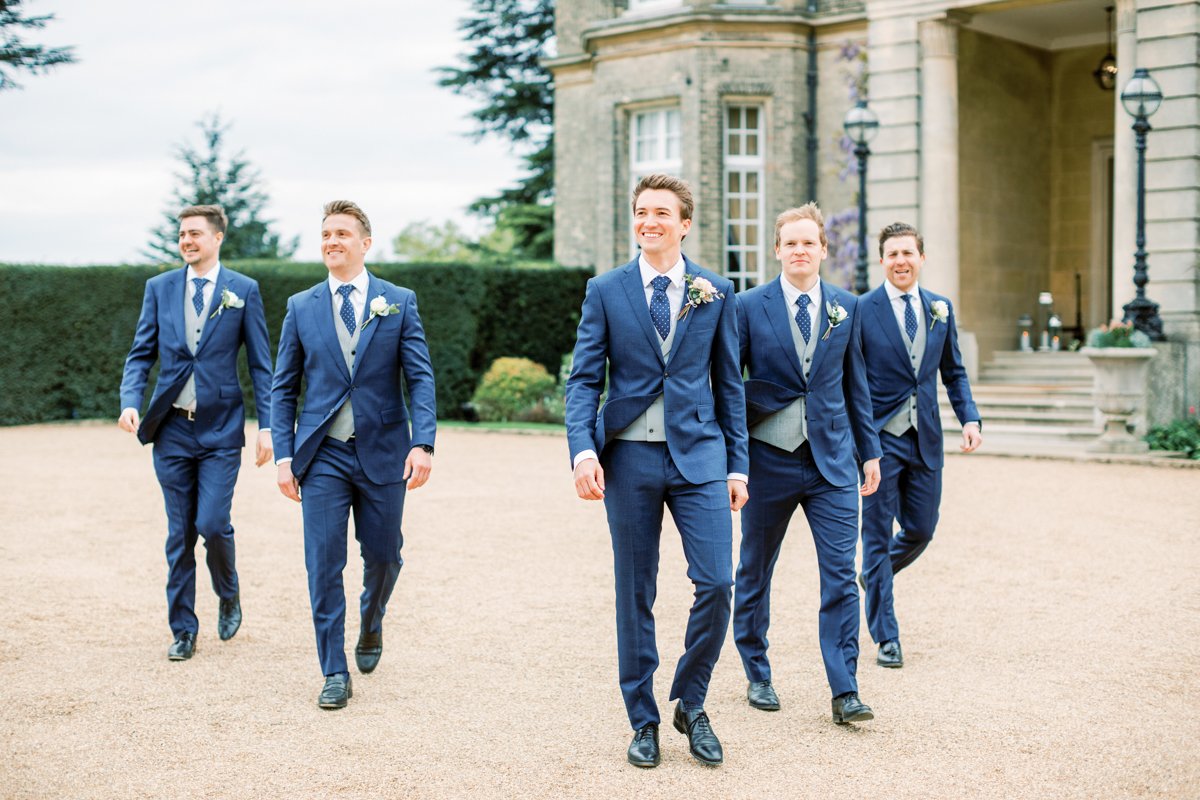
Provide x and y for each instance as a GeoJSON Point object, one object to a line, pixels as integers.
{"type": "Point", "coordinates": [678, 186]}
{"type": "Point", "coordinates": [806, 211]}
{"type": "Point", "coordinates": [897, 229]}
{"type": "Point", "coordinates": [351, 209]}
{"type": "Point", "coordinates": [214, 214]}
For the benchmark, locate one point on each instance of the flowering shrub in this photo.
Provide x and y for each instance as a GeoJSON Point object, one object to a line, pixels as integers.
{"type": "Point", "coordinates": [515, 389]}
{"type": "Point", "coordinates": [1118, 334]}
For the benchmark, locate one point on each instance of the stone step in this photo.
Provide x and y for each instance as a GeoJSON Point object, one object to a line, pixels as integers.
{"type": "Point", "coordinates": [1034, 417]}
{"type": "Point", "coordinates": [1034, 373]}
{"type": "Point", "coordinates": [1061, 357]}
{"type": "Point", "coordinates": [1015, 433]}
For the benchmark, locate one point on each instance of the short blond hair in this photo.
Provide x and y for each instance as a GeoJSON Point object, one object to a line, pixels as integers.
{"type": "Point", "coordinates": [677, 186]}
{"type": "Point", "coordinates": [349, 208]}
{"type": "Point", "coordinates": [806, 211]}
{"type": "Point", "coordinates": [214, 214]}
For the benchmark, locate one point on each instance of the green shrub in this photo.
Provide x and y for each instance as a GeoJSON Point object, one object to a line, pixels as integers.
{"type": "Point", "coordinates": [514, 389]}
{"type": "Point", "coordinates": [67, 330]}
{"type": "Point", "coordinates": [1118, 334]}
{"type": "Point", "coordinates": [1182, 435]}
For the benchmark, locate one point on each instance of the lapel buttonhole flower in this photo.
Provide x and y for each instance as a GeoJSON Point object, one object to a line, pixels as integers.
{"type": "Point", "coordinates": [228, 300]}
{"type": "Point", "coordinates": [940, 312]}
{"type": "Point", "coordinates": [380, 308]}
{"type": "Point", "coordinates": [837, 315]}
{"type": "Point", "coordinates": [699, 291]}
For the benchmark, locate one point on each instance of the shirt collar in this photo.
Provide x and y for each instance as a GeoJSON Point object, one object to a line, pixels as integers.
{"type": "Point", "coordinates": [211, 275]}
{"type": "Point", "coordinates": [894, 294]}
{"type": "Point", "coordinates": [791, 293]}
{"type": "Point", "coordinates": [360, 281]}
{"type": "Point", "coordinates": [649, 273]}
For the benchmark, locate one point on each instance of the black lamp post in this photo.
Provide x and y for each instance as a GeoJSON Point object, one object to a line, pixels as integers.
{"type": "Point", "coordinates": [861, 124]}
{"type": "Point", "coordinates": [1141, 98]}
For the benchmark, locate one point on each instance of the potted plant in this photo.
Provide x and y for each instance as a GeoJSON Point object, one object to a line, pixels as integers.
{"type": "Point", "coordinates": [1121, 357]}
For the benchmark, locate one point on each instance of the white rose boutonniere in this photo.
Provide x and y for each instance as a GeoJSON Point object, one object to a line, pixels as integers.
{"type": "Point", "coordinates": [228, 300]}
{"type": "Point", "coordinates": [380, 308]}
{"type": "Point", "coordinates": [699, 291]}
{"type": "Point", "coordinates": [837, 315]}
{"type": "Point", "coordinates": [940, 312]}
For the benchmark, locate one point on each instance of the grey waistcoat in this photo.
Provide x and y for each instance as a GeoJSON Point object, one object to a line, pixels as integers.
{"type": "Point", "coordinates": [906, 416]}
{"type": "Point", "coordinates": [651, 426]}
{"type": "Point", "coordinates": [342, 427]}
{"type": "Point", "coordinates": [787, 428]}
{"type": "Point", "coordinates": [193, 326]}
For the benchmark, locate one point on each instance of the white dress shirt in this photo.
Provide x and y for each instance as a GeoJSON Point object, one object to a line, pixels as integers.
{"type": "Point", "coordinates": [896, 298]}
{"type": "Point", "coordinates": [791, 294]}
{"type": "Point", "coordinates": [675, 292]}
{"type": "Point", "coordinates": [358, 298]}
{"type": "Point", "coordinates": [210, 285]}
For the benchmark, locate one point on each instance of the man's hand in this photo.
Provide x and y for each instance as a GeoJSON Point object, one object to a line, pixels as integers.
{"type": "Point", "coordinates": [589, 479]}
{"type": "Point", "coordinates": [287, 482]}
{"type": "Point", "coordinates": [972, 438]}
{"type": "Point", "coordinates": [263, 449]}
{"type": "Point", "coordinates": [870, 477]}
{"type": "Point", "coordinates": [738, 495]}
{"type": "Point", "coordinates": [418, 465]}
{"type": "Point", "coordinates": [128, 421]}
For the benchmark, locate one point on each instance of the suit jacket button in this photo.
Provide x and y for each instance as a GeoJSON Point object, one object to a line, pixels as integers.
{"type": "Point", "coordinates": [666, 375]}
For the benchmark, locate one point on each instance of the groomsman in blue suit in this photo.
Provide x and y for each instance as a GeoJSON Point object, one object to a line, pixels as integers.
{"type": "Point", "coordinates": [193, 322]}
{"type": "Point", "coordinates": [660, 334]}
{"type": "Point", "coordinates": [353, 343]}
{"type": "Point", "coordinates": [909, 337]}
{"type": "Point", "coordinates": [809, 414]}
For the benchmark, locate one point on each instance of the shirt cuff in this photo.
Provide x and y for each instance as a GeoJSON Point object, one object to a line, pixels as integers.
{"type": "Point", "coordinates": [737, 476]}
{"type": "Point", "coordinates": [279, 461]}
{"type": "Point", "coordinates": [584, 455]}
{"type": "Point", "coordinates": [264, 430]}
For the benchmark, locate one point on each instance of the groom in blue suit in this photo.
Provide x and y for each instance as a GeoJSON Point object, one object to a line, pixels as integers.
{"type": "Point", "coordinates": [193, 322]}
{"type": "Point", "coordinates": [660, 334]}
{"type": "Point", "coordinates": [909, 338]}
{"type": "Point", "coordinates": [354, 343]}
{"type": "Point", "coordinates": [809, 414]}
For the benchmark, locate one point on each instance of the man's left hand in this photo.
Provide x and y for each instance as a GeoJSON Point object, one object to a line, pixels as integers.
{"type": "Point", "coordinates": [417, 467]}
{"type": "Point", "coordinates": [870, 477]}
{"type": "Point", "coordinates": [738, 495]}
{"type": "Point", "coordinates": [972, 438]}
{"type": "Point", "coordinates": [263, 449]}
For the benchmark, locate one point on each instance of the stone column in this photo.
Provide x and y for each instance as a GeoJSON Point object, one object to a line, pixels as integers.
{"type": "Point", "coordinates": [1124, 210]}
{"type": "Point", "coordinates": [939, 170]}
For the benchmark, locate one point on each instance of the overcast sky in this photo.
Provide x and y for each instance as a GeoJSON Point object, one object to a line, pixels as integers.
{"type": "Point", "coordinates": [328, 100]}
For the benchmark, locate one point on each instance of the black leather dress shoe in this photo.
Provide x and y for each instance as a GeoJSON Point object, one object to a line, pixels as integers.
{"type": "Point", "coordinates": [336, 692]}
{"type": "Point", "coordinates": [848, 708]}
{"type": "Point", "coordinates": [368, 650]}
{"type": "Point", "coordinates": [643, 750]}
{"type": "Point", "coordinates": [703, 743]}
{"type": "Point", "coordinates": [229, 617]}
{"type": "Point", "coordinates": [183, 647]}
{"type": "Point", "coordinates": [890, 655]}
{"type": "Point", "coordinates": [761, 695]}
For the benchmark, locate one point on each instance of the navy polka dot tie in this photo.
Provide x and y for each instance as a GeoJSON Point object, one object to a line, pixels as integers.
{"type": "Point", "coordinates": [802, 316]}
{"type": "Point", "coordinates": [198, 297]}
{"type": "Point", "coordinates": [347, 307]}
{"type": "Point", "coordinates": [910, 318]}
{"type": "Point", "coordinates": [660, 308]}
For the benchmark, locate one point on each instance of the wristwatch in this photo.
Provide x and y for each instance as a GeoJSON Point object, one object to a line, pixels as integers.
{"type": "Point", "coordinates": [428, 448]}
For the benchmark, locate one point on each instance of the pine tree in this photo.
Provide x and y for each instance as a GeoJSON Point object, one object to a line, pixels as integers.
{"type": "Point", "coordinates": [16, 55]}
{"type": "Point", "coordinates": [233, 184]}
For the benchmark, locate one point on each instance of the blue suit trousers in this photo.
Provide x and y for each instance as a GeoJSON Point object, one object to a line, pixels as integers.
{"type": "Point", "coordinates": [780, 481]}
{"type": "Point", "coordinates": [909, 492]}
{"type": "Point", "coordinates": [640, 478]}
{"type": "Point", "coordinates": [334, 487]}
{"type": "Point", "coordinates": [197, 484]}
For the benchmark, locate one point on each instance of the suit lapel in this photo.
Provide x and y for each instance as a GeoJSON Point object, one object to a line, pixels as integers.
{"type": "Point", "coordinates": [323, 312]}
{"type": "Point", "coordinates": [176, 297]}
{"type": "Point", "coordinates": [933, 330]}
{"type": "Point", "coordinates": [206, 331]}
{"type": "Point", "coordinates": [821, 345]}
{"type": "Point", "coordinates": [635, 292]}
{"type": "Point", "coordinates": [681, 326]}
{"type": "Point", "coordinates": [886, 319]}
{"type": "Point", "coordinates": [374, 289]}
{"type": "Point", "coordinates": [781, 322]}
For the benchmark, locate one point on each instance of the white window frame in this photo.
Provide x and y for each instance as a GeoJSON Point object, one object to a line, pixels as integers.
{"type": "Point", "coordinates": [651, 6]}
{"type": "Point", "coordinates": [752, 266]}
{"type": "Point", "coordinates": [664, 127]}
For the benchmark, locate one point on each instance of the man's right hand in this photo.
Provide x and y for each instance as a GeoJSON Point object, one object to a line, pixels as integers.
{"type": "Point", "coordinates": [128, 421]}
{"type": "Point", "coordinates": [589, 479]}
{"type": "Point", "coordinates": [287, 482]}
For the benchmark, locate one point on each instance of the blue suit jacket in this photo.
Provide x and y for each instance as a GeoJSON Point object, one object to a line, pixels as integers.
{"type": "Point", "coordinates": [837, 401]}
{"type": "Point", "coordinates": [388, 348]}
{"type": "Point", "coordinates": [700, 382]}
{"type": "Point", "coordinates": [161, 336]}
{"type": "Point", "coordinates": [890, 372]}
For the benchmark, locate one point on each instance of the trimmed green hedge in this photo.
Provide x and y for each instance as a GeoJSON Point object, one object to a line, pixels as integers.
{"type": "Point", "coordinates": [65, 331]}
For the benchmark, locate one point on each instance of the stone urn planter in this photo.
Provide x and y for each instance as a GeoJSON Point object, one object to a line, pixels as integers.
{"type": "Point", "coordinates": [1118, 390]}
